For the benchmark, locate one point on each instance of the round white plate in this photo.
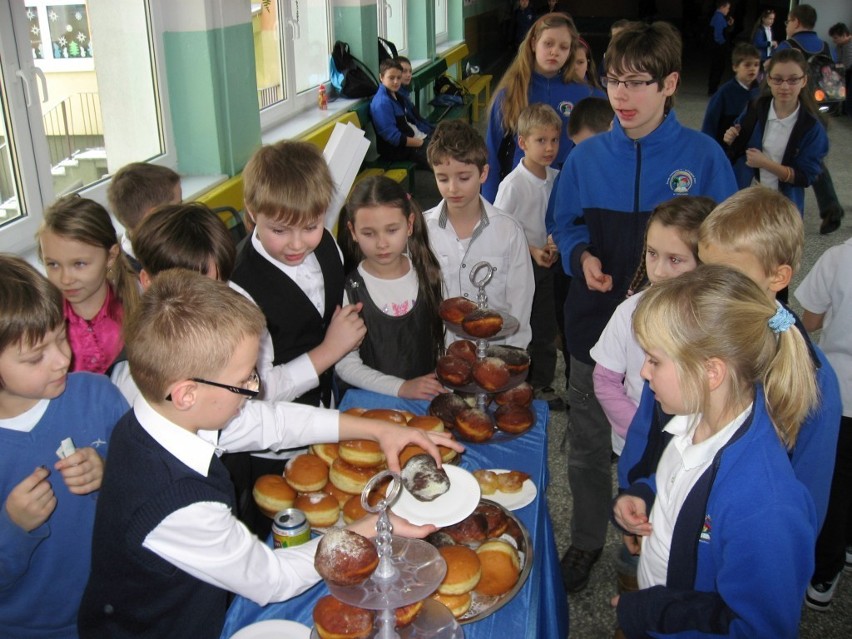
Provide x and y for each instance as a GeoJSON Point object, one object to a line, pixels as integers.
{"type": "Point", "coordinates": [514, 501]}
{"type": "Point", "coordinates": [274, 629]}
{"type": "Point", "coordinates": [448, 509]}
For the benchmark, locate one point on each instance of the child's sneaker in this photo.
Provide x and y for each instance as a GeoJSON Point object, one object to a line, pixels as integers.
{"type": "Point", "coordinates": [819, 595]}
{"type": "Point", "coordinates": [847, 567]}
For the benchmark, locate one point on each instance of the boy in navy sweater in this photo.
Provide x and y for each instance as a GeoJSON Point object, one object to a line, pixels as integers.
{"type": "Point", "coordinates": [732, 97]}
{"type": "Point", "coordinates": [47, 514]}
{"type": "Point", "coordinates": [605, 194]}
{"type": "Point", "coordinates": [167, 546]}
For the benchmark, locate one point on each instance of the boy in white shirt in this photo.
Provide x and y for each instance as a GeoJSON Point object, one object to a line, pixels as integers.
{"type": "Point", "coordinates": [524, 193]}
{"type": "Point", "coordinates": [464, 229]}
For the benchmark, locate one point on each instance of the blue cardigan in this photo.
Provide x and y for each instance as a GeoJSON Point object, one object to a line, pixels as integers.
{"type": "Point", "coordinates": [742, 547]}
{"type": "Point", "coordinates": [724, 107]}
{"type": "Point", "coordinates": [806, 148]}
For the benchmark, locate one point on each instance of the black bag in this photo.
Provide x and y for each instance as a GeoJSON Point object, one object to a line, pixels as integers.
{"type": "Point", "coordinates": [387, 49]}
{"type": "Point", "coordinates": [826, 77]}
{"type": "Point", "coordinates": [445, 85]}
{"type": "Point", "coordinates": [358, 80]}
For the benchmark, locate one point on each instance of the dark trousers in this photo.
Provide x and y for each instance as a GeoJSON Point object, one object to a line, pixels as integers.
{"type": "Point", "coordinates": [561, 282]}
{"type": "Point", "coordinates": [719, 58]}
{"type": "Point", "coordinates": [836, 532]}
{"type": "Point", "coordinates": [542, 348]}
{"type": "Point", "coordinates": [825, 194]}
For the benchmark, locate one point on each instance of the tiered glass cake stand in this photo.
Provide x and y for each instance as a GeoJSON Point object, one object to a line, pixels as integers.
{"type": "Point", "coordinates": [409, 571]}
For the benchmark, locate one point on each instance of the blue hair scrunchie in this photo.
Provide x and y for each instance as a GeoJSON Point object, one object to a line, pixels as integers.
{"type": "Point", "coordinates": [782, 320]}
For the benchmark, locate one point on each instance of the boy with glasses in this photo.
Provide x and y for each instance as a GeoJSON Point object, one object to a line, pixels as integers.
{"type": "Point", "coordinates": [167, 548]}
{"type": "Point", "coordinates": [606, 192]}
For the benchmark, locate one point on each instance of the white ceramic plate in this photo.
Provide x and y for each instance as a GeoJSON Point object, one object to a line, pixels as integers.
{"type": "Point", "coordinates": [448, 509]}
{"type": "Point", "coordinates": [274, 629]}
{"type": "Point", "coordinates": [514, 501]}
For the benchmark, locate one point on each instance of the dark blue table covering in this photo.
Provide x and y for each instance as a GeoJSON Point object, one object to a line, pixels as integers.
{"type": "Point", "coordinates": [540, 608]}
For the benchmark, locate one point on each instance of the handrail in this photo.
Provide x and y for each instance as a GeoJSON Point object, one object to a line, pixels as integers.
{"type": "Point", "coordinates": [73, 125]}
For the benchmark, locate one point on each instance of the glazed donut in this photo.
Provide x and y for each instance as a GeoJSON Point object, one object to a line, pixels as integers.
{"type": "Point", "coordinates": [339, 495]}
{"type": "Point", "coordinates": [464, 349]}
{"type": "Point", "coordinates": [439, 539]}
{"type": "Point", "coordinates": [408, 452]}
{"type": "Point", "coordinates": [334, 619]}
{"type": "Point", "coordinates": [362, 453]}
{"type": "Point", "coordinates": [511, 482]}
{"type": "Point", "coordinates": [407, 614]}
{"type": "Point", "coordinates": [446, 406]}
{"type": "Point", "coordinates": [501, 567]}
{"type": "Point", "coordinates": [357, 411]}
{"type": "Point", "coordinates": [474, 425]}
{"type": "Point", "coordinates": [272, 494]}
{"type": "Point", "coordinates": [427, 422]}
{"type": "Point", "coordinates": [306, 473]}
{"type": "Point", "coordinates": [386, 414]}
{"type": "Point", "coordinates": [448, 455]}
{"type": "Point", "coordinates": [457, 604]}
{"type": "Point", "coordinates": [514, 419]}
{"type": "Point", "coordinates": [487, 481]}
{"type": "Point", "coordinates": [491, 373]}
{"type": "Point", "coordinates": [463, 570]}
{"type": "Point", "coordinates": [520, 395]}
{"type": "Point", "coordinates": [353, 510]}
{"type": "Point", "coordinates": [321, 509]}
{"type": "Point", "coordinates": [473, 529]}
{"type": "Point", "coordinates": [495, 517]}
{"type": "Point", "coordinates": [453, 371]}
{"type": "Point", "coordinates": [517, 359]}
{"type": "Point", "coordinates": [326, 452]}
{"type": "Point", "coordinates": [423, 479]}
{"type": "Point", "coordinates": [455, 309]}
{"type": "Point", "coordinates": [348, 478]}
{"type": "Point", "coordinates": [482, 322]}
{"type": "Point", "coordinates": [345, 558]}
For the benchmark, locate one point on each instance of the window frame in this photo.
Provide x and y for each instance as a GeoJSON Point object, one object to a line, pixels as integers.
{"type": "Point", "coordinates": [382, 9]}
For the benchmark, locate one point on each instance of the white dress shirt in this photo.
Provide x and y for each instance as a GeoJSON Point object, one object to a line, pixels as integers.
{"type": "Point", "coordinates": [524, 196]}
{"type": "Point", "coordinates": [207, 541]}
{"type": "Point", "coordinates": [775, 139]}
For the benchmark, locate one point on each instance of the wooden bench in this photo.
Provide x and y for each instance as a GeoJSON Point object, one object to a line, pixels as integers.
{"type": "Point", "coordinates": [475, 85]}
{"type": "Point", "coordinates": [398, 170]}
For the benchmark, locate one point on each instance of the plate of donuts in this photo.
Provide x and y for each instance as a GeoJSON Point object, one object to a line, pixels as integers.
{"type": "Point", "coordinates": [511, 489]}
{"type": "Point", "coordinates": [450, 508]}
{"type": "Point", "coordinates": [274, 629]}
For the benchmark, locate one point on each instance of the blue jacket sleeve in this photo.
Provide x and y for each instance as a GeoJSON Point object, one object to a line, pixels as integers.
{"type": "Point", "coordinates": [384, 119]}
{"type": "Point", "coordinates": [571, 238]}
{"type": "Point", "coordinates": [17, 548]}
{"type": "Point", "coordinates": [549, 222]}
{"type": "Point", "coordinates": [637, 436]}
{"type": "Point", "coordinates": [493, 139]}
{"type": "Point", "coordinates": [812, 151]}
{"type": "Point", "coordinates": [712, 115]}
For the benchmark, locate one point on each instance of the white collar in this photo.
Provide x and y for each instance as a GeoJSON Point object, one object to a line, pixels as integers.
{"type": "Point", "coordinates": [774, 116]}
{"type": "Point", "coordinates": [682, 427]}
{"type": "Point", "coordinates": [189, 448]}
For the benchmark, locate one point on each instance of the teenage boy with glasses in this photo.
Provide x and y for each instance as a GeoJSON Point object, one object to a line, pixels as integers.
{"type": "Point", "coordinates": [606, 192]}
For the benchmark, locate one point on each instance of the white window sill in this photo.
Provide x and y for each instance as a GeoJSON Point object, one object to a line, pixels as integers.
{"type": "Point", "coordinates": [446, 46]}
{"type": "Point", "coordinates": [306, 120]}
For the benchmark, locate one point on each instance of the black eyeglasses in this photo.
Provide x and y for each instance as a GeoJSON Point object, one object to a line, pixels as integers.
{"type": "Point", "coordinates": [250, 390]}
{"type": "Point", "coordinates": [630, 85]}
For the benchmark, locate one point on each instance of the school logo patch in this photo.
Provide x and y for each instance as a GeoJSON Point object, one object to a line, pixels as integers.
{"type": "Point", "coordinates": [706, 529]}
{"type": "Point", "coordinates": [565, 108]}
{"type": "Point", "coordinates": [681, 181]}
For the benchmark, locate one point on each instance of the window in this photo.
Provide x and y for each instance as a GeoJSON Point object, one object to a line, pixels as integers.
{"type": "Point", "coordinates": [441, 29]}
{"type": "Point", "coordinates": [291, 45]}
{"type": "Point", "coordinates": [66, 110]}
{"type": "Point", "coordinates": [392, 23]}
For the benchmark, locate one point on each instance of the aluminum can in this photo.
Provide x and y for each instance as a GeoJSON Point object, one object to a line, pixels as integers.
{"type": "Point", "coordinates": [290, 528]}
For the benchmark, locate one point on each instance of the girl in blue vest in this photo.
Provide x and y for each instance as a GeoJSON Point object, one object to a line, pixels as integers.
{"type": "Point", "coordinates": [779, 140]}
{"type": "Point", "coordinates": [727, 530]}
{"type": "Point", "coordinates": [543, 71]}
{"type": "Point", "coordinates": [397, 279]}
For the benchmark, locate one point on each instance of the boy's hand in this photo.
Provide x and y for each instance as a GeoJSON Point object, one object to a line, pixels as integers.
{"type": "Point", "coordinates": [629, 512]}
{"type": "Point", "coordinates": [345, 332]}
{"type": "Point", "coordinates": [366, 526]}
{"type": "Point", "coordinates": [542, 256]}
{"type": "Point", "coordinates": [731, 134]}
{"type": "Point", "coordinates": [392, 439]}
{"type": "Point", "coordinates": [596, 279]}
{"type": "Point", "coordinates": [82, 472]}
{"type": "Point", "coordinates": [425, 387]}
{"type": "Point", "coordinates": [631, 542]}
{"type": "Point", "coordinates": [32, 501]}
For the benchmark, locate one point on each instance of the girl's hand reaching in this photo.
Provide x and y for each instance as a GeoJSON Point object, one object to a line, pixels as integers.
{"type": "Point", "coordinates": [731, 134]}
{"type": "Point", "coordinates": [32, 501]}
{"type": "Point", "coordinates": [425, 387]}
{"type": "Point", "coordinates": [630, 513]}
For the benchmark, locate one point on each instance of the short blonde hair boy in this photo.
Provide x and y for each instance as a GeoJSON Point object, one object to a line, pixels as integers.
{"type": "Point", "coordinates": [187, 325]}
{"type": "Point", "coordinates": [759, 221]}
{"type": "Point", "coordinates": [288, 182]}
{"type": "Point", "coordinates": [538, 116]}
